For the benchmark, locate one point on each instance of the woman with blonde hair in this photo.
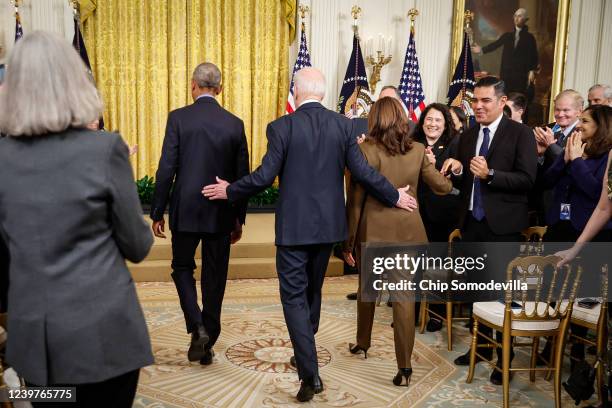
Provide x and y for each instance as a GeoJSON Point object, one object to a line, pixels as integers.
{"type": "Point", "coordinates": [70, 216]}
{"type": "Point", "coordinates": [390, 150]}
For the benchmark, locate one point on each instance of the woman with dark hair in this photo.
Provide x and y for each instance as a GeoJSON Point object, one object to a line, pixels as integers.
{"type": "Point", "coordinates": [439, 213]}
{"type": "Point", "coordinates": [577, 175]}
{"type": "Point", "coordinates": [460, 121]}
{"type": "Point", "coordinates": [577, 178]}
{"type": "Point", "coordinates": [390, 150]}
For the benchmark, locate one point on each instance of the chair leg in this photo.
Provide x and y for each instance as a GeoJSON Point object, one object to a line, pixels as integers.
{"type": "Point", "coordinates": [470, 376]}
{"type": "Point", "coordinates": [558, 357]}
{"type": "Point", "coordinates": [551, 359]}
{"type": "Point", "coordinates": [506, 345]}
{"type": "Point", "coordinates": [534, 357]}
{"type": "Point", "coordinates": [449, 325]}
{"type": "Point", "coordinates": [424, 311]}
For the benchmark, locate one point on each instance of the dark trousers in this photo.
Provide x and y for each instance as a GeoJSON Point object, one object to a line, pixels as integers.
{"type": "Point", "coordinates": [116, 392]}
{"type": "Point", "coordinates": [301, 270]}
{"type": "Point", "coordinates": [215, 260]}
{"type": "Point", "coordinates": [479, 231]}
{"type": "Point", "coordinates": [4, 276]}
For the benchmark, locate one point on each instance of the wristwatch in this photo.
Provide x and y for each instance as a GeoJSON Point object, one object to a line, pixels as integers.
{"type": "Point", "coordinates": [490, 176]}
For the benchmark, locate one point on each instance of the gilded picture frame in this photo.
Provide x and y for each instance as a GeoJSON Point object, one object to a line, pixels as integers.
{"type": "Point", "coordinates": [560, 46]}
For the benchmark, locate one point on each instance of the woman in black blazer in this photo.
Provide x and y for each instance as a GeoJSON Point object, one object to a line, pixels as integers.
{"type": "Point", "coordinates": [437, 132]}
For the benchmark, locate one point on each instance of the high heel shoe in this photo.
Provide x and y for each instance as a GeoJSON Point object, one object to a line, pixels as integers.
{"type": "Point", "coordinates": [356, 348]}
{"type": "Point", "coordinates": [401, 374]}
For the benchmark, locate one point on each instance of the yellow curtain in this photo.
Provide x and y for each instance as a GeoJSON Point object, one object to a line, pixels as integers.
{"type": "Point", "coordinates": [144, 51]}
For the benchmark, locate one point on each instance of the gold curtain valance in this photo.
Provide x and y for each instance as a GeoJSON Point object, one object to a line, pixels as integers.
{"type": "Point", "coordinates": [143, 53]}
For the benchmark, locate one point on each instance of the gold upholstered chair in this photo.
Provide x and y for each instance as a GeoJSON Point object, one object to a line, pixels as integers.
{"type": "Point", "coordinates": [534, 318]}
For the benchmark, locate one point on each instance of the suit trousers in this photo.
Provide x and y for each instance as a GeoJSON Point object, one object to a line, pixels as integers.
{"type": "Point", "coordinates": [215, 260]}
{"type": "Point", "coordinates": [301, 271]}
{"type": "Point", "coordinates": [116, 392]}
{"type": "Point", "coordinates": [403, 324]}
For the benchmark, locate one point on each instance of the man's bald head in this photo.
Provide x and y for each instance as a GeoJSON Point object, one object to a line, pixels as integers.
{"type": "Point", "coordinates": [308, 83]}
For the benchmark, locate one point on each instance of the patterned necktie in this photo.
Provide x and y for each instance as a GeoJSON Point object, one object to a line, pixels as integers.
{"type": "Point", "coordinates": [561, 139]}
{"type": "Point", "coordinates": [477, 207]}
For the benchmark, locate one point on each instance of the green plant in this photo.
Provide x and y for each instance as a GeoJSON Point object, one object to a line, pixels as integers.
{"type": "Point", "coordinates": [267, 197]}
{"type": "Point", "coordinates": [146, 187]}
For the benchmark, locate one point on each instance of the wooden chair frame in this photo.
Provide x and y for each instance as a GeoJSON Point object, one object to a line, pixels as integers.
{"type": "Point", "coordinates": [522, 266]}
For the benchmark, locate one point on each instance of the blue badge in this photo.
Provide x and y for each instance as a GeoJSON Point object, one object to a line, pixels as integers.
{"type": "Point", "coordinates": [565, 213]}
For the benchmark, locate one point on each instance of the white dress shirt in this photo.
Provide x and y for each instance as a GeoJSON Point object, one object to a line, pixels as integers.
{"type": "Point", "coordinates": [492, 129]}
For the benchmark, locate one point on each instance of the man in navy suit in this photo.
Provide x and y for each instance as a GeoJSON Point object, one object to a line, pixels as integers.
{"type": "Point", "coordinates": [202, 141]}
{"type": "Point", "coordinates": [309, 151]}
{"type": "Point", "coordinates": [495, 168]}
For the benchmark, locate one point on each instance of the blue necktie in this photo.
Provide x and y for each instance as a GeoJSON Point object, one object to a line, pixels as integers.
{"type": "Point", "coordinates": [477, 208]}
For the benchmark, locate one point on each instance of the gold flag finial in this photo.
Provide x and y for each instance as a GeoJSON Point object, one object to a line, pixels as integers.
{"type": "Point", "coordinates": [356, 11]}
{"type": "Point", "coordinates": [303, 11]}
{"type": "Point", "coordinates": [412, 13]}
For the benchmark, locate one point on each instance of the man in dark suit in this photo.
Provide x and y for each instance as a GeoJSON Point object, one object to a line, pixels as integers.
{"type": "Point", "coordinates": [309, 151]}
{"type": "Point", "coordinates": [495, 169]}
{"type": "Point", "coordinates": [550, 141]}
{"type": "Point", "coordinates": [202, 141]}
{"type": "Point", "coordinates": [519, 56]}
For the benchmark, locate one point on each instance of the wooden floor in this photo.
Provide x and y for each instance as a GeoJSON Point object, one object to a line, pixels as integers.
{"type": "Point", "coordinates": [252, 257]}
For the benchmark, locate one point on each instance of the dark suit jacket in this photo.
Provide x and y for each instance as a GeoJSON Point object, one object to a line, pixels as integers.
{"type": "Point", "coordinates": [309, 150]}
{"type": "Point", "coordinates": [441, 209]}
{"type": "Point", "coordinates": [578, 183]}
{"type": "Point", "coordinates": [513, 156]}
{"type": "Point", "coordinates": [202, 141]}
{"type": "Point", "coordinates": [71, 216]}
{"type": "Point", "coordinates": [516, 62]}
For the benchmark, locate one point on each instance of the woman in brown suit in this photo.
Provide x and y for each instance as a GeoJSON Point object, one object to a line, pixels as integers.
{"type": "Point", "coordinates": [390, 150]}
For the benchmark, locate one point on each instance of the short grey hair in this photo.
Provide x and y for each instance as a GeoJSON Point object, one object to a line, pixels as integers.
{"type": "Point", "coordinates": [207, 75]}
{"type": "Point", "coordinates": [47, 88]}
{"type": "Point", "coordinates": [310, 84]}
{"type": "Point", "coordinates": [397, 91]}
{"type": "Point", "coordinates": [606, 88]}
{"type": "Point", "coordinates": [575, 95]}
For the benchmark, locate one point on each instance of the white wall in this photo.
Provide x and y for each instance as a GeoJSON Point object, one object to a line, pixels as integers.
{"type": "Point", "coordinates": [589, 52]}
{"type": "Point", "coordinates": [49, 15]}
{"type": "Point", "coordinates": [330, 36]}
{"type": "Point", "coordinates": [589, 56]}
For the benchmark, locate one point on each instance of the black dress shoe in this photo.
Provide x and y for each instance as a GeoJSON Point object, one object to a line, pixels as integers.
{"type": "Point", "coordinates": [464, 359]}
{"type": "Point", "coordinates": [352, 296]}
{"type": "Point", "coordinates": [199, 339]}
{"type": "Point", "coordinates": [292, 362]}
{"type": "Point", "coordinates": [434, 325]}
{"type": "Point", "coordinates": [317, 385]}
{"type": "Point", "coordinates": [496, 377]}
{"type": "Point", "coordinates": [306, 392]}
{"type": "Point", "coordinates": [402, 373]}
{"type": "Point", "coordinates": [207, 358]}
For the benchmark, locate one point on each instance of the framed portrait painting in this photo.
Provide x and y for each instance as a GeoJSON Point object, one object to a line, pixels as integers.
{"type": "Point", "coordinates": [523, 42]}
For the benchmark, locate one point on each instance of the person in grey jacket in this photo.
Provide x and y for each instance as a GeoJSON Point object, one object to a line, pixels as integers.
{"type": "Point", "coordinates": [70, 216]}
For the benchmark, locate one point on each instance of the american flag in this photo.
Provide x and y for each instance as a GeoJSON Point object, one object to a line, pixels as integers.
{"type": "Point", "coordinates": [18, 27]}
{"type": "Point", "coordinates": [303, 60]}
{"type": "Point", "coordinates": [411, 86]}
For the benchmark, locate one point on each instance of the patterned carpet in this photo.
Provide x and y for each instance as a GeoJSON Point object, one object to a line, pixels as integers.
{"type": "Point", "coordinates": [251, 366]}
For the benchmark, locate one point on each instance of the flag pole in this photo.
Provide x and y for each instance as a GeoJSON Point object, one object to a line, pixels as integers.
{"type": "Point", "coordinates": [355, 12]}
{"type": "Point", "coordinates": [412, 13]}
{"type": "Point", "coordinates": [468, 17]}
{"type": "Point", "coordinates": [303, 10]}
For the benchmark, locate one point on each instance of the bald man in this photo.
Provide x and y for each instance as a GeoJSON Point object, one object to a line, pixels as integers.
{"type": "Point", "coordinates": [519, 55]}
{"type": "Point", "coordinates": [309, 150]}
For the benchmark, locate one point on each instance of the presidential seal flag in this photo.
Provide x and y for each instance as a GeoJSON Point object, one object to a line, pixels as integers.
{"type": "Point", "coordinates": [355, 92]}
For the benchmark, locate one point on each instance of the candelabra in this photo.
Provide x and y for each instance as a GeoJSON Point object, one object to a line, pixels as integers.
{"type": "Point", "coordinates": [378, 58]}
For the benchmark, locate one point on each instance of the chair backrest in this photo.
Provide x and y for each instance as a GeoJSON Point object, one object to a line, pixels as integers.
{"type": "Point", "coordinates": [452, 237]}
{"type": "Point", "coordinates": [533, 237]}
{"type": "Point", "coordinates": [529, 273]}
